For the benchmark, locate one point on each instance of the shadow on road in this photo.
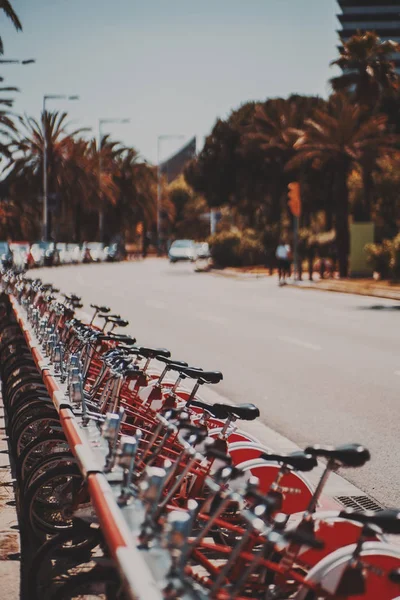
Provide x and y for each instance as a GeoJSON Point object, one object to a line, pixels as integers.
{"type": "Point", "coordinates": [380, 307]}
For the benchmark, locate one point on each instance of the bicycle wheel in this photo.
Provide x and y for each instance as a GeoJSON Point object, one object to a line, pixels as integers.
{"type": "Point", "coordinates": [50, 501]}
{"type": "Point", "coordinates": [66, 554]}
{"type": "Point", "coordinates": [32, 428]}
{"type": "Point", "coordinates": [37, 454]}
{"type": "Point", "coordinates": [98, 584]}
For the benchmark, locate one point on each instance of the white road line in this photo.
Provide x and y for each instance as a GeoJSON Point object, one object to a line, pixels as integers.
{"type": "Point", "coordinates": [155, 304]}
{"type": "Point", "coordinates": [300, 343]}
{"type": "Point", "coordinates": [212, 318]}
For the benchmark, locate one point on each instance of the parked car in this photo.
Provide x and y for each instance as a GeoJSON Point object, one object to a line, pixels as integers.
{"type": "Point", "coordinates": [20, 251]}
{"type": "Point", "coordinates": [182, 250]}
{"type": "Point", "coordinates": [37, 254]}
{"type": "Point", "coordinates": [75, 252]}
{"type": "Point", "coordinates": [45, 254]}
{"type": "Point", "coordinates": [6, 256]}
{"type": "Point", "coordinates": [64, 253]}
{"type": "Point", "coordinates": [97, 252]}
{"type": "Point", "coordinates": [113, 252]}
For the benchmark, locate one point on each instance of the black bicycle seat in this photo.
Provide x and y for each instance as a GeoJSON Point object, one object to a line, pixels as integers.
{"type": "Point", "coordinates": [303, 538]}
{"type": "Point", "coordinates": [102, 309]}
{"type": "Point", "coordinates": [244, 412]}
{"type": "Point", "coordinates": [108, 317]}
{"type": "Point", "coordinates": [202, 376]}
{"type": "Point", "coordinates": [394, 576]}
{"type": "Point", "coordinates": [117, 337]}
{"type": "Point", "coordinates": [388, 520]}
{"type": "Point", "coordinates": [348, 455]}
{"type": "Point", "coordinates": [72, 297]}
{"type": "Point", "coordinates": [119, 322]}
{"type": "Point", "coordinates": [215, 410]}
{"type": "Point", "coordinates": [147, 352]}
{"type": "Point", "coordinates": [173, 365]}
{"type": "Point", "coordinates": [301, 461]}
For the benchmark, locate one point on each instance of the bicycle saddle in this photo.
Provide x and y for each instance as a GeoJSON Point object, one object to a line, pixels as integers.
{"type": "Point", "coordinates": [147, 352]}
{"type": "Point", "coordinates": [108, 317]}
{"type": "Point", "coordinates": [173, 365]}
{"type": "Point", "coordinates": [303, 538]}
{"type": "Point", "coordinates": [72, 297]}
{"type": "Point", "coordinates": [218, 411]}
{"type": "Point", "coordinates": [117, 337]}
{"type": "Point", "coordinates": [202, 376]}
{"type": "Point", "coordinates": [348, 455]}
{"type": "Point", "coordinates": [103, 309]}
{"type": "Point", "coordinates": [301, 461]}
{"type": "Point", "coordinates": [388, 520]}
{"type": "Point", "coordinates": [394, 576]}
{"type": "Point", "coordinates": [118, 321]}
{"type": "Point", "coordinates": [244, 412]}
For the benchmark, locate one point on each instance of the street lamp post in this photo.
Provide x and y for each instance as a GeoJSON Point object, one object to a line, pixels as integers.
{"type": "Point", "coordinates": [160, 138]}
{"type": "Point", "coordinates": [101, 211]}
{"type": "Point", "coordinates": [45, 194]}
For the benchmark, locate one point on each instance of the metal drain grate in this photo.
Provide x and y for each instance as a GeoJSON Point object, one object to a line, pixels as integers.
{"type": "Point", "coordinates": [359, 502]}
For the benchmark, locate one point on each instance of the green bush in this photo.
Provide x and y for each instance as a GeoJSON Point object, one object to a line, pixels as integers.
{"type": "Point", "coordinates": [381, 257]}
{"type": "Point", "coordinates": [236, 249]}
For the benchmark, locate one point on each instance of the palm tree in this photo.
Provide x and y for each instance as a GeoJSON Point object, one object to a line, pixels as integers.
{"type": "Point", "coordinates": [368, 71]}
{"type": "Point", "coordinates": [341, 137]}
{"type": "Point", "coordinates": [8, 10]}
{"type": "Point", "coordinates": [28, 144]}
{"type": "Point", "coordinates": [274, 133]}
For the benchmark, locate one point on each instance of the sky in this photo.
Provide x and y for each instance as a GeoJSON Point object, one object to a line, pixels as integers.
{"type": "Point", "coordinates": [171, 66]}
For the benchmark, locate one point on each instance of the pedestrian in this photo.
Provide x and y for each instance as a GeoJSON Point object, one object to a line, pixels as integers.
{"type": "Point", "coordinates": [283, 256]}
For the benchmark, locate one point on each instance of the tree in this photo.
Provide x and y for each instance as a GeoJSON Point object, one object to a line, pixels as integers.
{"type": "Point", "coordinates": [274, 133]}
{"type": "Point", "coordinates": [368, 71]}
{"type": "Point", "coordinates": [341, 137]}
{"type": "Point", "coordinates": [27, 166]}
{"type": "Point", "coordinates": [8, 10]}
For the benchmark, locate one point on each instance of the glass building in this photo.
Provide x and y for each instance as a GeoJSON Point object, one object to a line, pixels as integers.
{"type": "Point", "coordinates": [381, 16]}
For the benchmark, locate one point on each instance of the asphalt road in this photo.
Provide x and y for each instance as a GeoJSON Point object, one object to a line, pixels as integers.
{"type": "Point", "coordinates": [322, 367]}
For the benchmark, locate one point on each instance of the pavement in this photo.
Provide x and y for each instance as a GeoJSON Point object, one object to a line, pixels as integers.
{"type": "Point", "coordinates": [10, 545]}
{"type": "Point", "coordinates": [322, 368]}
{"type": "Point", "coordinates": [362, 287]}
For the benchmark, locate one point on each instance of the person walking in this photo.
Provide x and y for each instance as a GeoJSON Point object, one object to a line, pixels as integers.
{"type": "Point", "coordinates": [283, 256]}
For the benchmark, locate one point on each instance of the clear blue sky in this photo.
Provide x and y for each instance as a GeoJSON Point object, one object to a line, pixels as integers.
{"type": "Point", "coordinates": [171, 66]}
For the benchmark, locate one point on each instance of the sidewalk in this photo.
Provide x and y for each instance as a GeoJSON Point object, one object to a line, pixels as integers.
{"type": "Point", "coordinates": [363, 287]}
{"type": "Point", "coordinates": [10, 549]}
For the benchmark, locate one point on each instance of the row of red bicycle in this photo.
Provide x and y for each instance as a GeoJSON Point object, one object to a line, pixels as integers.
{"type": "Point", "coordinates": [134, 486]}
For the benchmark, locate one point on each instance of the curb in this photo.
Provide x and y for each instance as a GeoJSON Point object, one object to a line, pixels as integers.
{"type": "Point", "coordinates": [373, 293]}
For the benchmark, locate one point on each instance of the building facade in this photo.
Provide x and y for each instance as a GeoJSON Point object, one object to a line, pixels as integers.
{"type": "Point", "coordinates": [381, 16]}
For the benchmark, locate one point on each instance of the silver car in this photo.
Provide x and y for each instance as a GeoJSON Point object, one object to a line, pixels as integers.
{"type": "Point", "coordinates": [182, 250]}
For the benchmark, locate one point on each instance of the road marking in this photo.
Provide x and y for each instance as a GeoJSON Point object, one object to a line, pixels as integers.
{"type": "Point", "coordinates": [155, 304]}
{"type": "Point", "coordinates": [300, 343]}
{"type": "Point", "coordinates": [212, 318]}
{"type": "Point", "coordinates": [397, 373]}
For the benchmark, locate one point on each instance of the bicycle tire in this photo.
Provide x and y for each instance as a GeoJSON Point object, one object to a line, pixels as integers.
{"type": "Point", "coordinates": [107, 578]}
{"type": "Point", "coordinates": [38, 526]}
{"type": "Point", "coordinates": [47, 422]}
{"type": "Point", "coordinates": [39, 580]}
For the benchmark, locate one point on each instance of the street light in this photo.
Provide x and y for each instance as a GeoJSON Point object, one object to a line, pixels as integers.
{"type": "Point", "coordinates": [101, 212]}
{"type": "Point", "coordinates": [160, 138]}
{"type": "Point", "coordinates": [45, 195]}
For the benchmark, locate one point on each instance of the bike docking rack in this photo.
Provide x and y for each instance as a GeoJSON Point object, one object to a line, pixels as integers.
{"type": "Point", "coordinates": [132, 486]}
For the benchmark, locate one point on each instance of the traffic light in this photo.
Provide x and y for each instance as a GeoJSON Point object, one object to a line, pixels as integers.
{"type": "Point", "coordinates": [294, 198]}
